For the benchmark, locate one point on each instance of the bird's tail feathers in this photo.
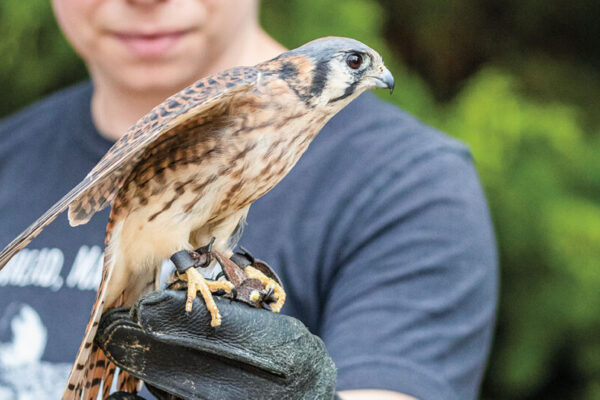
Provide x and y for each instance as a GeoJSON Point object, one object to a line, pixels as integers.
{"type": "Point", "coordinates": [88, 358]}
{"type": "Point", "coordinates": [92, 369]}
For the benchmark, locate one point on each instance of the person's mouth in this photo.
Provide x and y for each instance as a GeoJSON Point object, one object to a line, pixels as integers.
{"type": "Point", "coordinates": [150, 45]}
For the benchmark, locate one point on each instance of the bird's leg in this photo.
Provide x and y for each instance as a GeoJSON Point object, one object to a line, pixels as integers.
{"type": "Point", "coordinates": [186, 268]}
{"type": "Point", "coordinates": [196, 282]}
{"type": "Point", "coordinates": [270, 285]}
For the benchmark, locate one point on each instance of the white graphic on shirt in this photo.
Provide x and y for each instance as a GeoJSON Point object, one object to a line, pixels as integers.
{"type": "Point", "coordinates": [86, 271]}
{"type": "Point", "coordinates": [42, 268]}
{"type": "Point", "coordinates": [23, 336]}
{"type": "Point", "coordinates": [23, 375]}
{"type": "Point", "coordinates": [33, 267]}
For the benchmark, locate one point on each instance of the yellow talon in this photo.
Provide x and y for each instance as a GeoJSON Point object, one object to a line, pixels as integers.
{"type": "Point", "coordinates": [269, 284]}
{"type": "Point", "coordinates": [196, 282]}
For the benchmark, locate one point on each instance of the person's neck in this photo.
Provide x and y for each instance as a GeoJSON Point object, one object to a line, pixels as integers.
{"type": "Point", "coordinates": [116, 108]}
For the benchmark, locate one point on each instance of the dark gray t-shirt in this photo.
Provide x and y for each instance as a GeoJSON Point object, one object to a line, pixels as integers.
{"type": "Point", "coordinates": [381, 235]}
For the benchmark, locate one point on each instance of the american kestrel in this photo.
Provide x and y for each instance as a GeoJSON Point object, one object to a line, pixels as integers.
{"type": "Point", "coordinates": [189, 170]}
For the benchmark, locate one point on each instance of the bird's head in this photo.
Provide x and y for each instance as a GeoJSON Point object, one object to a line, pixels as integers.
{"type": "Point", "coordinates": [332, 71]}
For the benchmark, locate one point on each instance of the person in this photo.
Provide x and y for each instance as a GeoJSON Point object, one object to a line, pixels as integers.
{"type": "Point", "coordinates": [381, 233]}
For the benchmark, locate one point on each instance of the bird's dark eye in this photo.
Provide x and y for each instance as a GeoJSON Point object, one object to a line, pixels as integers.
{"type": "Point", "coordinates": [354, 60]}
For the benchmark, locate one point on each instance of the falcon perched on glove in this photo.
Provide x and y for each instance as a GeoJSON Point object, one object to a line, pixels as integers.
{"type": "Point", "coordinates": [189, 170]}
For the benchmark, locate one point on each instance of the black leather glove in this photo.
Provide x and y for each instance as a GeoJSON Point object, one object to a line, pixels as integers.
{"type": "Point", "coordinates": [254, 354]}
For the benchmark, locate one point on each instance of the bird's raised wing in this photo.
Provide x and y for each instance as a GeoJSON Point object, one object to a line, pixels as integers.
{"type": "Point", "coordinates": [206, 97]}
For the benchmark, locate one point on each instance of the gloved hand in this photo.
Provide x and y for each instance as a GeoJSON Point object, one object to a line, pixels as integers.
{"type": "Point", "coordinates": [254, 354]}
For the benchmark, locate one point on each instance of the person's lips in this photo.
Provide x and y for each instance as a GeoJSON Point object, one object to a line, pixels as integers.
{"type": "Point", "coordinates": [150, 45]}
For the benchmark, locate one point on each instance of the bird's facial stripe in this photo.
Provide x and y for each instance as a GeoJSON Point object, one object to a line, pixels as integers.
{"type": "Point", "coordinates": [296, 71]}
{"type": "Point", "coordinates": [348, 92]}
{"type": "Point", "coordinates": [288, 71]}
{"type": "Point", "coordinates": [320, 77]}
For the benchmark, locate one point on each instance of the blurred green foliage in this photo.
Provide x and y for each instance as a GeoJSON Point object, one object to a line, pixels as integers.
{"type": "Point", "coordinates": [36, 60]}
{"type": "Point", "coordinates": [517, 81]}
{"type": "Point", "coordinates": [541, 171]}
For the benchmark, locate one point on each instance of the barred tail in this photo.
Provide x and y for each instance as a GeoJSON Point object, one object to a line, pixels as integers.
{"type": "Point", "coordinates": [84, 378]}
{"type": "Point", "coordinates": [88, 356]}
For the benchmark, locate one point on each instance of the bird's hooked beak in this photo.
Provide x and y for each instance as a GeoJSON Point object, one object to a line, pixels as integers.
{"type": "Point", "coordinates": [384, 79]}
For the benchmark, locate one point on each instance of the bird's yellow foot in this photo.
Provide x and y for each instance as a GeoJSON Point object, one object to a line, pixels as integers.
{"type": "Point", "coordinates": [270, 284]}
{"type": "Point", "coordinates": [195, 283]}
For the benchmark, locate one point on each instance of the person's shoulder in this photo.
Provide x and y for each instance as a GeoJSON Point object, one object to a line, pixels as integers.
{"type": "Point", "coordinates": [370, 119]}
{"type": "Point", "coordinates": [37, 118]}
{"type": "Point", "coordinates": [372, 132]}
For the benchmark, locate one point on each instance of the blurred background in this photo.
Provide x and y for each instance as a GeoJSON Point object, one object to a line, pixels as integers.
{"type": "Point", "coordinates": [519, 82]}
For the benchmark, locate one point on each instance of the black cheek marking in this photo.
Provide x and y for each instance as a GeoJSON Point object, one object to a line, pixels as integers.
{"type": "Point", "coordinates": [348, 92]}
{"type": "Point", "coordinates": [320, 76]}
{"type": "Point", "coordinates": [288, 71]}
